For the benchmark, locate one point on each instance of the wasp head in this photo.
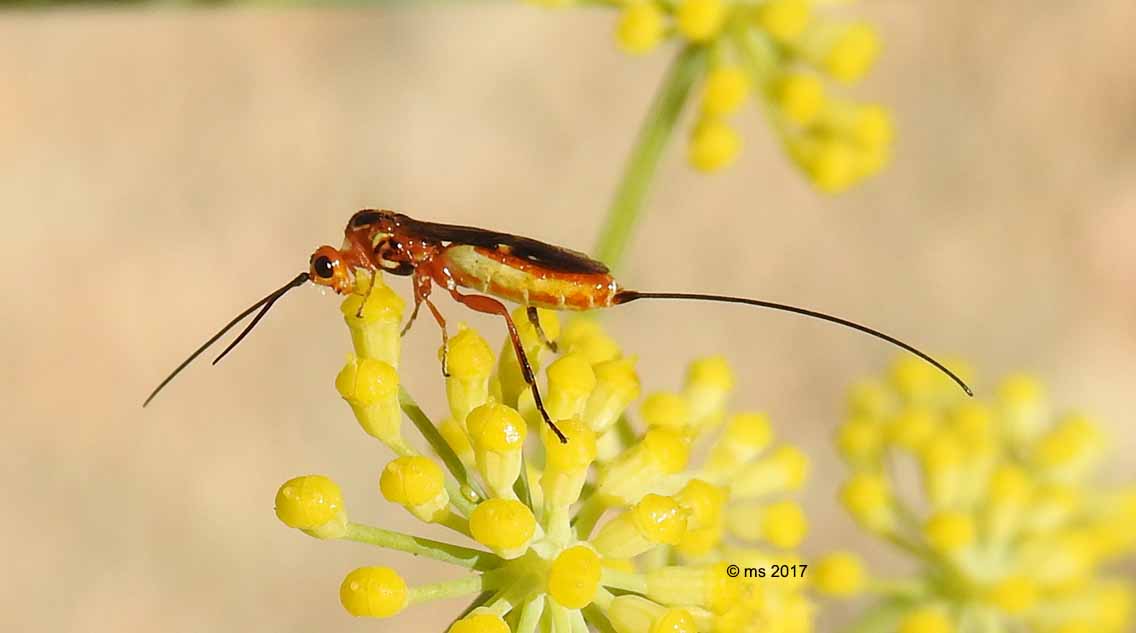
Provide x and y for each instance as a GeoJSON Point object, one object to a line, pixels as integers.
{"type": "Point", "coordinates": [328, 268]}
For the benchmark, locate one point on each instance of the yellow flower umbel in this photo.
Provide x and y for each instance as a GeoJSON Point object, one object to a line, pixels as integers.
{"type": "Point", "coordinates": [1010, 532]}
{"type": "Point", "coordinates": [616, 530]}
{"type": "Point", "coordinates": [791, 57]}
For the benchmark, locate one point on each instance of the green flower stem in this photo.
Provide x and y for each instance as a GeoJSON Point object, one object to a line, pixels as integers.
{"type": "Point", "coordinates": [656, 130]}
{"type": "Point", "coordinates": [623, 580]}
{"type": "Point", "coordinates": [458, 492]}
{"type": "Point", "coordinates": [418, 546]}
{"type": "Point", "coordinates": [559, 618]}
{"type": "Point", "coordinates": [451, 588]}
{"type": "Point", "coordinates": [530, 615]}
{"type": "Point", "coordinates": [595, 615]}
{"type": "Point", "coordinates": [455, 523]}
{"type": "Point", "coordinates": [587, 517]}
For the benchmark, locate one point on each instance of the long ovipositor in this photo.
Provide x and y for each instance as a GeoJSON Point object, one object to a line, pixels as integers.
{"type": "Point", "coordinates": [500, 265]}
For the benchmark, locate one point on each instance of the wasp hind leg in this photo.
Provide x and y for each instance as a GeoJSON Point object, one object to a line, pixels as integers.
{"type": "Point", "coordinates": [489, 305]}
{"type": "Point", "coordinates": [534, 318]}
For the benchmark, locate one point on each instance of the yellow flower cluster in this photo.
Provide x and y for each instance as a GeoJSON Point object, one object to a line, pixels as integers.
{"type": "Point", "coordinates": [1009, 530]}
{"type": "Point", "coordinates": [617, 529]}
{"type": "Point", "coordinates": [788, 54]}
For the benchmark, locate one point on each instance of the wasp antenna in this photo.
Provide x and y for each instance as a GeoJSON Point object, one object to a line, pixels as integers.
{"type": "Point", "coordinates": [627, 296]}
{"type": "Point", "coordinates": [266, 302]}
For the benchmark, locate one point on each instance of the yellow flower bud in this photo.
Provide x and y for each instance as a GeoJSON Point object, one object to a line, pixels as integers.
{"type": "Point", "coordinates": [312, 503]}
{"type": "Point", "coordinates": [868, 499]}
{"type": "Point", "coordinates": [697, 543]}
{"type": "Point", "coordinates": [861, 442]}
{"type": "Point", "coordinates": [570, 382]}
{"type": "Point", "coordinates": [871, 126]}
{"type": "Point", "coordinates": [943, 458]}
{"type": "Point", "coordinates": [1022, 407]}
{"type": "Point", "coordinates": [1069, 448]}
{"type": "Point", "coordinates": [377, 333]}
{"type": "Point", "coordinates": [784, 524]}
{"type": "Point", "coordinates": [574, 577]}
{"type": "Point", "coordinates": [665, 410]}
{"type": "Point", "coordinates": [709, 382]}
{"type": "Point", "coordinates": [674, 621]}
{"type": "Point", "coordinates": [784, 470]}
{"type": "Point", "coordinates": [644, 468]}
{"type": "Point", "coordinates": [700, 20]}
{"type": "Point", "coordinates": [844, 51]}
{"type": "Point", "coordinates": [839, 574]}
{"type": "Point", "coordinates": [566, 468]}
{"type": "Point", "coordinates": [703, 502]}
{"type": "Point", "coordinates": [913, 427]}
{"type": "Point", "coordinates": [745, 436]}
{"type": "Point", "coordinates": [799, 96]}
{"type": "Point", "coordinates": [832, 164]}
{"type": "Point", "coordinates": [783, 19]}
{"type": "Point", "coordinates": [617, 386]}
{"type": "Point", "coordinates": [636, 614]}
{"type": "Point", "coordinates": [975, 422]}
{"type": "Point", "coordinates": [654, 520]}
{"type": "Point", "coordinates": [480, 623]}
{"type": "Point", "coordinates": [666, 450]}
{"type": "Point", "coordinates": [371, 388]}
{"type": "Point", "coordinates": [714, 145]}
{"type": "Point", "coordinates": [585, 336]}
{"type": "Point", "coordinates": [417, 483]}
{"type": "Point", "coordinates": [1009, 484]}
{"type": "Point", "coordinates": [925, 620]}
{"type": "Point", "coordinates": [640, 28]}
{"type": "Point", "coordinates": [871, 399]}
{"type": "Point", "coordinates": [1014, 595]}
{"type": "Point", "coordinates": [497, 433]}
{"type": "Point", "coordinates": [504, 525]}
{"type": "Point", "coordinates": [949, 531]}
{"type": "Point", "coordinates": [470, 363]}
{"type": "Point", "coordinates": [377, 592]}
{"type": "Point", "coordinates": [725, 90]}
{"type": "Point", "coordinates": [708, 587]}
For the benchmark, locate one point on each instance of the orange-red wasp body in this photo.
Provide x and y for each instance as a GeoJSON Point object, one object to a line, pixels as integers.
{"type": "Point", "coordinates": [503, 266]}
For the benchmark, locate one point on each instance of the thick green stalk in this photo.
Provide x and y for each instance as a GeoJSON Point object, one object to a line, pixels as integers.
{"type": "Point", "coordinates": [639, 172]}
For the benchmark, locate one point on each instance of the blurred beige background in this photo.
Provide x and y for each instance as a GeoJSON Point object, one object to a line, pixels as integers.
{"type": "Point", "coordinates": [161, 170]}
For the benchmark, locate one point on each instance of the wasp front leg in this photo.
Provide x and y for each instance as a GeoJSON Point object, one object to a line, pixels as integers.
{"type": "Point", "coordinates": [422, 288]}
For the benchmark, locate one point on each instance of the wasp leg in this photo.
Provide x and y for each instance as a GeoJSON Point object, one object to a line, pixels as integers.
{"type": "Point", "coordinates": [489, 305]}
{"type": "Point", "coordinates": [422, 287]}
{"type": "Point", "coordinates": [445, 335]}
{"type": "Point", "coordinates": [534, 318]}
{"type": "Point", "coordinates": [413, 315]}
{"type": "Point", "coordinates": [366, 297]}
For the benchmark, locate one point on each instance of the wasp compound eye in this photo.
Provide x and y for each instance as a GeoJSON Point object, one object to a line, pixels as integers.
{"type": "Point", "coordinates": [323, 268]}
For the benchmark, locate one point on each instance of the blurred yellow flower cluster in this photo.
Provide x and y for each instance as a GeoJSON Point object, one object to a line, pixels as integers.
{"type": "Point", "coordinates": [994, 498]}
{"type": "Point", "coordinates": [618, 529]}
{"type": "Point", "coordinates": [788, 54]}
